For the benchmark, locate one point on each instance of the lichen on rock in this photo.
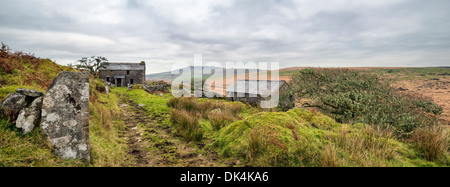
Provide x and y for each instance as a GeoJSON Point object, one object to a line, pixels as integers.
{"type": "Point", "coordinates": [23, 106]}
{"type": "Point", "coordinates": [30, 116]}
{"type": "Point", "coordinates": [65, 115]}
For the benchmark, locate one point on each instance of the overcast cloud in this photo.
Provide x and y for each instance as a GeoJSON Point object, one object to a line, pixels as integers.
{"type": "Point", "coordinates": [325, 33]}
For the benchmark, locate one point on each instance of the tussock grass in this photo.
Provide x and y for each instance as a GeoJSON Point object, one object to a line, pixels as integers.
{"type": "Point", "coordinates": [187, 124]}
{"type": "Point", "coordinates": [218, 113]}
{"type": "Point", "coordinates": [235, 108]}
{"type": "Point", "coordinates": [433, 142]}
{"type": "Point", "coordinates": [371, 147]}
{"type": "Point", "coordinates": [220, 120]}
{"type": "Point", "coordinates": [300, 138]}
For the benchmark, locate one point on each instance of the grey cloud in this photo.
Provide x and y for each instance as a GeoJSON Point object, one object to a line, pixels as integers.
{"type": "Point", "coordinates": [294, 33]}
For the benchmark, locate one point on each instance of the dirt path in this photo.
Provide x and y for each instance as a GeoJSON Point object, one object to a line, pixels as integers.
{"type": "Point", "coordinates": [153, 145]}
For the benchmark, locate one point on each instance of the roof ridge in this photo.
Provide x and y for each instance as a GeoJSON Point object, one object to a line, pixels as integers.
{"type": "Point", "coordinates": [124, 62]}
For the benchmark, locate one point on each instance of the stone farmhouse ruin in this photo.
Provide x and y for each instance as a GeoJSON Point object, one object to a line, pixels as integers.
{"type": "Point", "coordinates": [123, 74]}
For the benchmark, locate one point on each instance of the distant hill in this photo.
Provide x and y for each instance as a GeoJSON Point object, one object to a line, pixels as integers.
{"type": "Point", "coordinates": [168, 76]}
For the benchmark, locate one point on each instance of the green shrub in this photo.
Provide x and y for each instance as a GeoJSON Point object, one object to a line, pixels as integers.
{"type": "Point", "coordinates": [358, 97]}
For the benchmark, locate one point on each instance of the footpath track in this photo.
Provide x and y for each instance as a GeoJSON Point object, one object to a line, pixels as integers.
{"type": "Point", "coordinates": [153, 145]}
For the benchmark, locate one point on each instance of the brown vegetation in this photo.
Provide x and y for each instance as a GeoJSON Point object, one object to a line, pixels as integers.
{"type": "Point", "coordinates": [25, 69]}
{"type": "Point", "coordinates": [432, 142]}
{"type": "Point", "coordinates": [187, 112]}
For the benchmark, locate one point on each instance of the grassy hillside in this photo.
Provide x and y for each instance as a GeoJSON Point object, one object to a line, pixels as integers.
{"type": "Point", "coordinates": [18, 69]}
{"type": "Point", "coordinates": [302, 138]}
{"type": "Point", "coordinates": [22, 70]}
{"type": "Point", "coordinates": [299, 137]}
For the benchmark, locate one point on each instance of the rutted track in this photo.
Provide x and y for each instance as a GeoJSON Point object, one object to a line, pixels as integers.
{"type": "Point", "coordinates": [154, 145]}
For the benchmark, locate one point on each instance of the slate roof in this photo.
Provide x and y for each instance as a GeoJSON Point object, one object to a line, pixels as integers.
{"type": "Point", "coordinates": [251, 86]}
{"type": "Point", "coordinates": [124, 66]}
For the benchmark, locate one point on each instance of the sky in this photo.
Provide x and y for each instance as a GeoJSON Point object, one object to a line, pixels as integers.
{"type": "Point", "coordinates": [311, 33]}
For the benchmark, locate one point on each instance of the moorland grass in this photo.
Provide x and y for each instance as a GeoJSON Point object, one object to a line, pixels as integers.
{"type": "Point", "coordinates": [301, 138]}
{"type": "Point", "coordinates": [217, 114]}
{"type": "Point", "coordinates": [108, 148]}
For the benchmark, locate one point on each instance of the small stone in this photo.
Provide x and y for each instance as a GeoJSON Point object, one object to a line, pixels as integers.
{"type": "Point", "coordinates": [29, 92]}
{"type": "Point", "coordinates": [217, 110]}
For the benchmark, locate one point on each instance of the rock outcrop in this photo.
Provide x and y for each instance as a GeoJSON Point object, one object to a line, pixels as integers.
{"type": "Point", "coordinates": [65, 115]}
{"type": "Point", "coordinates": [13, 104]}
{"type": "Point", "coordinates": [30, 116]}
{"type": "Point", "coordinates": [23, 106]}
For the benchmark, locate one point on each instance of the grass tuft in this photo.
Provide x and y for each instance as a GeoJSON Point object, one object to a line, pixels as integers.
{"type": "Point", "coordinates": [187, 124]}
{"type": "Point", "coordinates": [433, 142]}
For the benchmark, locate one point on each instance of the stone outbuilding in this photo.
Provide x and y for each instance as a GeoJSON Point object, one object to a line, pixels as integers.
{"type": "Point", "coordinates": [123, 74]}
{"type": "Point", "coordinates": [248, 90]}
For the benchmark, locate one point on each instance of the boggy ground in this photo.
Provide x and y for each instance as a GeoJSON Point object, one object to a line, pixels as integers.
{"type": "Point", "coordinates": [437, 88]}
{"type": "Point", "coordinates": [154, 145]}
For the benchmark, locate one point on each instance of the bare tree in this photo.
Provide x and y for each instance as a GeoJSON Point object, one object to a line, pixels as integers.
{"type": "Point", "coordinates": [92, 64]}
